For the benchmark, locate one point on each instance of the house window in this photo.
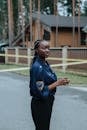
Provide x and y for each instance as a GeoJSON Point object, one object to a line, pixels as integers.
{"type": "Point", "coordinates": [46, 35]}
{"type": "Point", "coordinates": [83, 38]}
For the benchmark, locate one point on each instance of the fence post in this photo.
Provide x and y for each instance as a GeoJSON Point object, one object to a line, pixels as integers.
{"type": "Point", "coordinates": [6, 55]}
{"type": "Point", "coordinates": [29, 56]}
{"type": "Point", "coordinates": [64, 58]}
{"type": "Point", "coordinates": [16, 54]}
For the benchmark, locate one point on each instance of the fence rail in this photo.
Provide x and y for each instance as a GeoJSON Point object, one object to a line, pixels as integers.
{"type": "Point", "coordinates": [66, 57]}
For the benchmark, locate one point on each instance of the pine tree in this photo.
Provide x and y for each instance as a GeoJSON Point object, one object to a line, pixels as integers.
{"type": "Point", "coordinates": [85, 8]}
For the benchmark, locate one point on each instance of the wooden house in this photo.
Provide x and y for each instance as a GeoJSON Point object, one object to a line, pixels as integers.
{"type": "Point", "coordinates": [58, 30]}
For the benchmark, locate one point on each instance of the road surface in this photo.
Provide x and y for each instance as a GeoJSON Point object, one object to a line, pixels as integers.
{"type": "Point", "coordinates": [69, 110]}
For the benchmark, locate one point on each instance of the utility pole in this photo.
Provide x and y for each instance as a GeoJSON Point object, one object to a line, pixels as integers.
{"type": "Point", "coordinates": [10, 21]}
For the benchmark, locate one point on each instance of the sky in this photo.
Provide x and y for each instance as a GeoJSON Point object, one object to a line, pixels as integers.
{"type": "Point", "coordinates": [62, 11]}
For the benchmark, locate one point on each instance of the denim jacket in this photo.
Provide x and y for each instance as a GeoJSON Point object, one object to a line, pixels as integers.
{"type": "Point", "coordinates": [41, 75]}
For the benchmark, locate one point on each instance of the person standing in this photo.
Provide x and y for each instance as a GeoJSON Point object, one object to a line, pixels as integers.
{"type": "Point", "coordinates": [43, 84]}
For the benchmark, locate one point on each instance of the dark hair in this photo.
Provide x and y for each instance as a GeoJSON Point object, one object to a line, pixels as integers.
{"type": "Point", "coordinates": [36, 45]}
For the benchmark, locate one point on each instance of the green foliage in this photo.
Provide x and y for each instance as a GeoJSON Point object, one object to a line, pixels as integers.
{"type": "Point", "coordinates": [26, 4]}
{"type": "Point", "coordinates": [69, 6]}
{"type": "Point", "coordinates": [85, 8]}
{"type": "Point", "coordinates": [46, 6]}
{"type": "Point", "coordinates": [3, 19]}
{"type": "Point", "coordinates": [74, 77]}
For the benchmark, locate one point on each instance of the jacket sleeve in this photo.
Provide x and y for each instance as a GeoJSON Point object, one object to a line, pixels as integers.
{"type": "Point", "coordinates": [37, 86]}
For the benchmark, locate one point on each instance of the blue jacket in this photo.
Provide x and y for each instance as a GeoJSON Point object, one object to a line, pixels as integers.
{"type": "Point", "coordinates": [41, 75]}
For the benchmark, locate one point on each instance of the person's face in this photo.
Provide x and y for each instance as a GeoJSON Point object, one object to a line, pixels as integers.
{"type": "Point", "coordinates": [43, 49]}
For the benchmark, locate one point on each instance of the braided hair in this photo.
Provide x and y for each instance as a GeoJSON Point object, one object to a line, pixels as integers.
{"type": "Point", "coordinates": [36, 45]}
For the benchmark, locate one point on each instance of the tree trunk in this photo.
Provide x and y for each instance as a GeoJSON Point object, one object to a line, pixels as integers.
{"type": "Point", "coordinates": [73, 8]}
{"type": "Point", "coordinates": [39, 19]}
{"type": "Point", "coordinates": [10, 22]}
{"type": "Point", "coordinates": [55, 7]}
{"type": "Point", "coordinates": [21, 10]}
{"type": "Point", "coordinates": [79, 41]}
{"type": "Point", "coordinates": [56, 14]}
{"type": "Point", "coordinates": [30, 7]}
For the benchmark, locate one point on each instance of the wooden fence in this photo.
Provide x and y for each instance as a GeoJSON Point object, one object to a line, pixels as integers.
{"type": "Point", "coordinates": [20, 55]}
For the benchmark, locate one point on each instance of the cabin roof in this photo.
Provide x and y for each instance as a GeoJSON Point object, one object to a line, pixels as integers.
{"type": "Point", "coordinates": [61, 21]}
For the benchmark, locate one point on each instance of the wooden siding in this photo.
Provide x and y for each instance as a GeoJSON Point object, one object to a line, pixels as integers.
{"type": "Point", "coordinates": [64, 36]}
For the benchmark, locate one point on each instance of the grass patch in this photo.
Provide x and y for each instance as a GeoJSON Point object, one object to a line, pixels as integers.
{"type": "Point", "coordinates": [74, 77]}
{"type": "Point", "coordinates": [9, 66]}
{"type": "Point", "coordinates": [12, 66]}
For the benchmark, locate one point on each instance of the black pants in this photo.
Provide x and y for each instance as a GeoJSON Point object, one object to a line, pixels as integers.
{"type": "Point", "coordinates": [41, 112]}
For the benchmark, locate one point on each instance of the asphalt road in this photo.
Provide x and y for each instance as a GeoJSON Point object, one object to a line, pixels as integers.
{"type": "Point", "coordinates": [69, 111]}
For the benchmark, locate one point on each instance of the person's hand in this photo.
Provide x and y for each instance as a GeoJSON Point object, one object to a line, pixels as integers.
{"type": "Point", "coordinates": [66, 81]}
{"type": "Point", "coordinates": [59, 82]}
{"type": "Point", "coordinates": [63, 81]}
